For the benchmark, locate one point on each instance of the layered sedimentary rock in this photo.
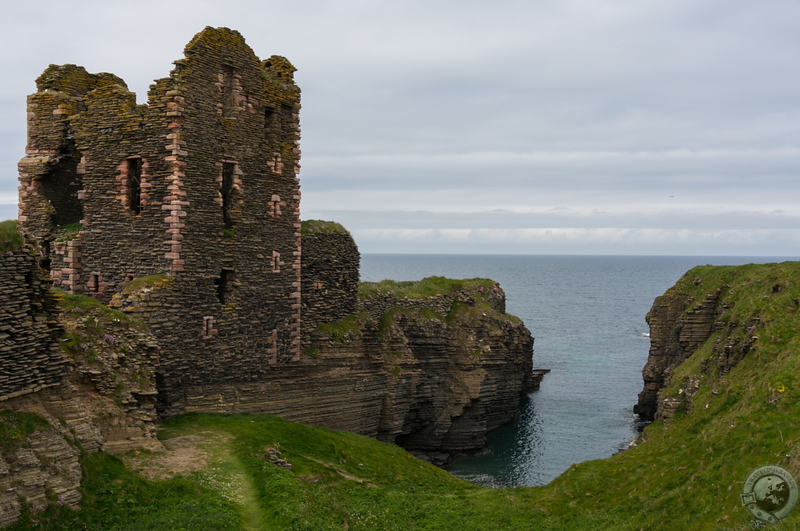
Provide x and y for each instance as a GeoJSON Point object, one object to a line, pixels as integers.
{"type": "Point", "coordinates": [43, 470]}
{"type": "Point", "coordinates": [434, 381]}
{"type": "Point", "coordinates": [86, 378]}
{"type": "Point", "coordinates": [682, 321]}
{"type": "Point", "coordinates": [675, 334]}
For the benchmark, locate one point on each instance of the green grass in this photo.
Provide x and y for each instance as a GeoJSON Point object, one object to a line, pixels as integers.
{"type": "Point", "coordinates": [318, 226]}
{"type": "Point", "coordinates": [72, 303]}
{"type": "Point", "coordinates": [15, 427]}
{"type": "Point", "coordinates": [116, 499]}
{"type": "Point", "coordinates": [688, 472]}
{"type": "Point", "coordinates": [421, 289]}
{"type": "Point", "coordinates": [10, 237]}
{"type": "Point", "coordinates": [345, 329]}
{"type": "Point", "coordinates": [145, 282]}
{"type": "Point", "coordinates": [66, 233]}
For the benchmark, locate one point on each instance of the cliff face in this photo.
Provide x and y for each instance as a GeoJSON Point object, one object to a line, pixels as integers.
{"type": "Point", "coordinates": [675, 333]}
{"type": "Point", "coordinates": [72, 379]}
{"type": "Point", "coordinates": [709, 316]}
{"type": "Point", "coordinates": [452, 381]}
{"type": "Point", "coordinates": [432, 383]}
{"type": "Point", "coordinates": [433, 373]}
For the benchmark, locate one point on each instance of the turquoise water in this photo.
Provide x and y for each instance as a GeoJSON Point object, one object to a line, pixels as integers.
{"type": "Point", "coordinates": [587, 314]}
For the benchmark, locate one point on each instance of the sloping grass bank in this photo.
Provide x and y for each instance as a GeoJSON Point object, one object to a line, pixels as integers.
{"type": "Point", "coordinates": [688, 473]}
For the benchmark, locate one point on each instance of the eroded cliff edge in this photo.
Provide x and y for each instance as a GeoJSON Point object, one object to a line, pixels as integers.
{"type": "Point", "coordinates": [433, 370]}
{"type": "Point", "coordinates": [702, 327]}
{"type": "Point", "coordinates": [75, 377]}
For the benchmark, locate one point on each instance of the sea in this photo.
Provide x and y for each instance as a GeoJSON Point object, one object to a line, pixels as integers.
{"type": "Point", "coordinates": [587, 315]}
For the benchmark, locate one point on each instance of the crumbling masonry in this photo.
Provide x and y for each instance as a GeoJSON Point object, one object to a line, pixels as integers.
{"type": "Point", "coordinates": [185, 213]}
{"type": "Point", "coordinates": [196, 191]}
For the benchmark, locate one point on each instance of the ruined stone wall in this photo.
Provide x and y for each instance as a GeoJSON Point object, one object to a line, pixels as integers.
{"type": "Point", "coordinates": [98, 392]}
{"type": "Point", "coordinates": [381, 303]}
{"type": "Point", "coordinates": [436, 386]}
{"type": "Point", "coordinates": [200, 185]}
{"type": "Point", "coordinates": [330, 278]}
{"type": "Point", "coordinates": [29, 354]}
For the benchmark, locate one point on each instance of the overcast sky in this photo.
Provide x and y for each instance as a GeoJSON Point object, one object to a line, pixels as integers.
{"type": "Point", "coordinates": [554, 126]}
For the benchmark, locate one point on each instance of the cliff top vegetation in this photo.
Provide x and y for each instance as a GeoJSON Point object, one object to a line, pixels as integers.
{"type": "Point", "coordinates": [10, 237]}
{"type": "Point", "coordinates": [427, 287]}
{"type": "Point", "coordinates": [687, 472]}
{"type": "Point", "coordinates": [318, 226]}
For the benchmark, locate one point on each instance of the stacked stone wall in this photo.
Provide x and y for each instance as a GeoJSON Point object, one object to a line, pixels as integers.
{"type": "Point", "coordinates": [29, 354]}
{"type": "Point", "coordinates": [200, 185]}
{"type": "Point", "coordinates": [330, 279]}
{"type": "Point", "coordinates": [379, 304]}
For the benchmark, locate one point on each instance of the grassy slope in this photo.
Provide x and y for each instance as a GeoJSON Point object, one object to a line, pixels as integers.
{"type": "Point", "coordinates": [688, 474]}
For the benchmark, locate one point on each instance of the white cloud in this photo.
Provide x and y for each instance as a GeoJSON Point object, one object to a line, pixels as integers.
{"type": "Point", "coordinates": [8, 198]}
{"type": "Point", "coordinates": [571, 240]}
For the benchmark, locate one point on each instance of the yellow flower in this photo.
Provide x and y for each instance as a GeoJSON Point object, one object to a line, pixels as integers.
{"type": "Point", "coordinates": [780, 388]}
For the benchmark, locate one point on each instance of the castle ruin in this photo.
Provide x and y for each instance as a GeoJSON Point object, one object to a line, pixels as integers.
{"type": "Point", "coordinates": [184, 213]}
{"type": "Point", "coordinates": [199, 187]}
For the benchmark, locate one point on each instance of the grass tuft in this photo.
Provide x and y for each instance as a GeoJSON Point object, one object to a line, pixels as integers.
{"type": "Point", "coordinates": [10, 236]}
{"type": "Point", "coordinates": [422, 289]}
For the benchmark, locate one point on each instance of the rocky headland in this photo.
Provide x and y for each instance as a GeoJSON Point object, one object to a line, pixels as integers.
{"type": "Point", "coordinates": [432, 370]}
{"type": "Point", "coordinates": [709, 313]}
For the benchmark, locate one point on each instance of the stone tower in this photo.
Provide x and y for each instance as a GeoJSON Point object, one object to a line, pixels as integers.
{"type": "Point", "coordinates": [184, 211]}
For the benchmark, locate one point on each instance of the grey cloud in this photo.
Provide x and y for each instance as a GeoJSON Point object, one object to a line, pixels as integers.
{"type": "Point", "coordinates": [666, 115]}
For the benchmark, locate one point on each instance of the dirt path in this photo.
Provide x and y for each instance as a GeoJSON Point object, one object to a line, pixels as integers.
{"type": "Point", "coordinates": [207, 456]}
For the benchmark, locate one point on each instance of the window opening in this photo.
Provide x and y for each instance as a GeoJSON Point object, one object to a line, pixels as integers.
{"type": "Point", "coordinates": [208, 331]}
{"type": "Point", "coordinates": [227, 192]}
{"type": "Point", "coordinates": [276, 262]}
{"type": "Point", "coordinates": [228, 86]}
{"type": "Point", "coordinates": [135, 184]}
{"type": "Point", "coordinates": [269, 124]}
{"type": "Point", "coordinates": [62, 186]}
{"type": "Point", "coordinates": [223, 284]}
{"type": "Point", "coordinates": [95, 282]}
{"type": "Point", "coordinates": [45, 260]}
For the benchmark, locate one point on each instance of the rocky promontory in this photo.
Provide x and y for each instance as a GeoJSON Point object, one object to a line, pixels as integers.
{"type": "Point", "coordinates": [712, 316]}
{"type": "Point", "coordinates": [432, 366]}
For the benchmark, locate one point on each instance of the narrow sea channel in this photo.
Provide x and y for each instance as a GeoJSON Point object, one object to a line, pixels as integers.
{"type": "Point", "coordinates": [587, 314]}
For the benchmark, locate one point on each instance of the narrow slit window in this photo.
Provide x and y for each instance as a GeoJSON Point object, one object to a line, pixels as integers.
{"type": "Point", "coordinates": [223, 284]}
{"type": "Point", "coordinates": [135, 185]}
{"type": "Point", "coordinates": [269, 124]}
{"type": "Point", "coordinates": [227, 192]}
{"type": "Point", "coordinates": [285, 120]}
{"type": "Point", "coordinates": [228, 91]}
